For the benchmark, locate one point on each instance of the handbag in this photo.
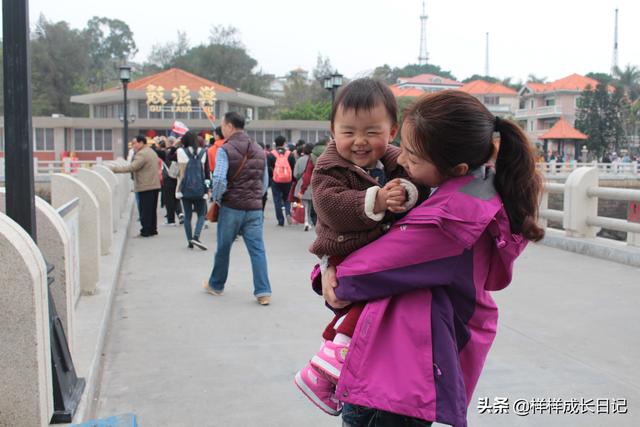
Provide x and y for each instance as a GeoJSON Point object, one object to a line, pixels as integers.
{"type": "Point", "coordinates": [214, 209]}
{"type": "Point", "coordinates": [297, 212]}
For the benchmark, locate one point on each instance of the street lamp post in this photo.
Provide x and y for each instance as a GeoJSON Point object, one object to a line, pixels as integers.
{"type": "Point", "coordinates": [332, 83]}
{"type": "Point", "coordinates": [125, 77]}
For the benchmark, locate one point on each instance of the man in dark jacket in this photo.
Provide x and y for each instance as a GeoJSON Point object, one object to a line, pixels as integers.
{"type": "Point", "coordinates": [280, 190]}
{"type": "Point", "coordinates": [239, 180]}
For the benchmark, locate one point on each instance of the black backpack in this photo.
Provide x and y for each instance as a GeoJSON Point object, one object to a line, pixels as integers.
{"type": "Point", "coordinates": [193, 186]}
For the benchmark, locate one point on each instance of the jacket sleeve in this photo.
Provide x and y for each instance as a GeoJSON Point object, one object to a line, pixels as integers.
{"type": "Point", "coordinates": [417, 257]}
{"type": "Point", "coordinates": [341, 208]}
{"type": "Point", "coordinates": [137, 164]}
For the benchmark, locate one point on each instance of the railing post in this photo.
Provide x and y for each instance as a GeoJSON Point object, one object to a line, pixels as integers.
{"type": "Point", "coordinates": [544, 205]}
{"type": "Point", "coordinates": [578, 206]}
{"type": "Point", "coordinates": [552, 167]}
{"type": "Point", "coordinates": [634, 167]}
{"type": "Point", "coordinates": [66, 167]}
{"type": "Point", "coordinates": [50, 168]}
{"type": "Point", "coordinates": [98, 160]}
{"type": "Point", "coordinates": [36, 172]}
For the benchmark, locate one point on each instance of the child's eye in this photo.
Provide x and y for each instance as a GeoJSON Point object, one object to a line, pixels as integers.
{"type": "Point", "coordinates": [372, 133]}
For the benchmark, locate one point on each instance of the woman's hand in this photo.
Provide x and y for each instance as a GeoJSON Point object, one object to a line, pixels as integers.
{"type": "Point", "coordinates": [329, 283]}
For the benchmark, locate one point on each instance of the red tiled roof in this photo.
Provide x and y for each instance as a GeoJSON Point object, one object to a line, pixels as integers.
{"type": "Point", "coordinates": [563, 130]}
{"type": "Point", "coordinates": [175, 77]}
{"type": "Point", "coordinates": [428, 79]}
{"type": "Point", "coordinates": [481, 87]}
{"type": "Point", "coordinates": [574, 82]}
{"type": "Point", "coordinates": [410, 92]}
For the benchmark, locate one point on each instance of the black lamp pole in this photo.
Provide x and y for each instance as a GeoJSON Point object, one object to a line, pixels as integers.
{"type": "Point", "coordinates": [17, 115]}
{"type": "Point", "coordinates": [125, 77]}
{"type": "Point", "coordinates": [332, 83]}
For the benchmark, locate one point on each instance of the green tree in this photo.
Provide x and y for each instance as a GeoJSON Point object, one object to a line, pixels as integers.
{"type": "Point", "coordinates": [390, 75]}
{"type": "Point", "coordinates": [601, 77]}
{"type": "Point", "coordinates": [479, 77]}
{"type": "Point", "coordinates": [535, 79]}
{"type": "Point", "coordinates": [163, 56]}
{"type": "Point", "coordinates": [59, 67]}
{"type": "Point", "coordinates": [111, 43]}
{"type": "Point", "coordinates": [629, 80]}
{"type": "Point", "coordinates": [307, 110]}
{"type": "Point", "coordinates": [600, 116]}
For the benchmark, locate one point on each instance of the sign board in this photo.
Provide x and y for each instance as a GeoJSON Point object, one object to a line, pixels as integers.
{"type": "Point", "coordinates": [180, 99]}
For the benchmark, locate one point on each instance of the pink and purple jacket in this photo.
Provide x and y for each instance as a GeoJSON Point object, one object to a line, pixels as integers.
{"type": "Point", "coordinates": [421, 342]}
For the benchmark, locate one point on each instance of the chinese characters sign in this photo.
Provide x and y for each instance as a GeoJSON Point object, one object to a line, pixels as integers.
{"type": "Point", "coordinates": [180, 97]}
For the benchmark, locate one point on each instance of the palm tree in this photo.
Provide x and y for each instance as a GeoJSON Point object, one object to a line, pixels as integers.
{"type": "Point", "coordinates": [629, 79]}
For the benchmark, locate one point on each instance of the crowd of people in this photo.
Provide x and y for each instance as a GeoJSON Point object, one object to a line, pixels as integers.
{"type": "Point", "coordinates": [411, 240]}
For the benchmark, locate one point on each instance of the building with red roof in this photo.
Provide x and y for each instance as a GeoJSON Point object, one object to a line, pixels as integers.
{"type": "Point", "coordinates": [563, 140]}
{"type": "Point", "coordinates": [501, 100]}
{"type": "Point", "coordinates": [427, 83]}
{"type": "Point", "coordinates": [406, 92]}
{"type": "Point", "coordinates": [541, 105]}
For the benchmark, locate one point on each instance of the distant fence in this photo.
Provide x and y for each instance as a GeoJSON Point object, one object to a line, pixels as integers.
{"type": "Point", "coordinates": [606, 170]}
{"type": "Point", "coordinates": [48, 167]}
{"type": "Point", "coordinates": [579, 216]}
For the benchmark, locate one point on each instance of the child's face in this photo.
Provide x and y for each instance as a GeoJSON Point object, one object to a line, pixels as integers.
{"type": "Point", "coordinates": [362, 138]}
{"type": "Point", "coordinates": [420, 170]}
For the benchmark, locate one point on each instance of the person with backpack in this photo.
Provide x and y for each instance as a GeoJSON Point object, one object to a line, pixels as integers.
{"type": "Point", "coordinates": [281, 163]}
{"type": "Point", "coordinates": [304, 166]}
{"type": "Point", "coordinates": [192, 187]}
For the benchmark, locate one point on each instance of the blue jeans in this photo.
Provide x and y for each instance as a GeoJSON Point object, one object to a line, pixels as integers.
{"type": "Point", "coordinates": [280, 194]}
{"type": "Point", "coordinates": [360, 416]}
{"type": "Point", "coordinates": [199, 206]}
{"type": "Point", "coordinates": [232, 222]}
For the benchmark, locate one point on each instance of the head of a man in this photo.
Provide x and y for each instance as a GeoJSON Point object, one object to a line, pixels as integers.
{"type": "Point", "coordinates": [138, 143]}
{"type": "Point", "coordinates": [233, 122]}
{"type": "Point", "coordinates": [280, 140]}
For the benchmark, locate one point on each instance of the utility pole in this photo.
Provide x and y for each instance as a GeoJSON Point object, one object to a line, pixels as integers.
{"type": "Point", "coordinates": [17, 115]}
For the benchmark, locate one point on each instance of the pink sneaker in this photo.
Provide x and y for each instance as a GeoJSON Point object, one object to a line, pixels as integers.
{"type": "Point", "coordinates": [318, 389]}
{"type": "Point", "coordinates": [329, 360]}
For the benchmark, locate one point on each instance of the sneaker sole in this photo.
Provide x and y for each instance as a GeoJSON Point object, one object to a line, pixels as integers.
{"type": "Point", "coordinates": [330, 371]}
{"type": "Point", "coordinates": [312, 397]}
{"type": "Point", "coordinates": [199, 245]}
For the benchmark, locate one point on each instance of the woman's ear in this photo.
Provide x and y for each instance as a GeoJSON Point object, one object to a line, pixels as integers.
{"type": "Point", "coordinates": [460, 169]}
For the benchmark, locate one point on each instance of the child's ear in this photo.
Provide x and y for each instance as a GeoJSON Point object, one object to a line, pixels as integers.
{"type": "Point", "coordinates": [460, 169]}
{"type": "Point", "coordinates": [394, 132]}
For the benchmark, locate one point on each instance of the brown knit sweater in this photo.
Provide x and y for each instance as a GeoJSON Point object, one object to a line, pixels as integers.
{"type": "Point", "coordinates": [339, 189]}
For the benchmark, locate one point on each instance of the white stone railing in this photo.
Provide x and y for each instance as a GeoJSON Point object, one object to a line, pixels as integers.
{"type": "Point", "coordinates": [539, 111]}
{"type": "Point", "coordinates": [48, 167]}
{"type": "Point", "coordinates": [615, 169]}
{"type": "Point", "coordinates": [579, 216]}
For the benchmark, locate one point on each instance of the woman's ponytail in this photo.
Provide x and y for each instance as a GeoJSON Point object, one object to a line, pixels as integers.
{"type": "Point", "coordinates": [517, 180]}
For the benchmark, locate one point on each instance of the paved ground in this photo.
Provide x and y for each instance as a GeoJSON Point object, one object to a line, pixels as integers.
{"type": "Point", "coordinates": [177, 356]}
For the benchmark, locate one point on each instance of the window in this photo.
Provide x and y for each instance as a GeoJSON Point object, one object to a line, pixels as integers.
{"type": "Point", "coordinates": [522, 104]}
{"type": "Point", "coordinates": [93, 139]}
{"type": "Point", "coordinates": [44, 139]}
{"type": "Point", "coordinates": [142, 109]}
{"type": "Point", "coordinates": [491, 100]}
{"type": "Point", "coordinates": [314, 136]}
{"type": "Point", "coordinates": [549, 102]}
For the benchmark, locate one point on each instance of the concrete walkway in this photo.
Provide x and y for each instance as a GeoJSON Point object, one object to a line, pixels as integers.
{"type": "Point", "coordinates": [176, 356]}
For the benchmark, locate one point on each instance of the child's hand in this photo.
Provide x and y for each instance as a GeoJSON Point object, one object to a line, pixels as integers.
{"type": "Point", "coordinates": [391, 197]}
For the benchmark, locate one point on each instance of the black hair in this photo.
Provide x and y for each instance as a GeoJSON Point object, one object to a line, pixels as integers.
{"type": "Point", "coordinates": [280, 140]}
{"type": "Point", "coordinates": [235, 119]}
{"type": "Point", "coordinates": [190, 139]}
{"type": "Point", "coordinates": [141, 138]}
{"type": "Point", "coordinates": [308, 148]}
{"type": "Point", "coordinates": [366, 94]}
{"type": "Point", "coordinates": [218, 131]}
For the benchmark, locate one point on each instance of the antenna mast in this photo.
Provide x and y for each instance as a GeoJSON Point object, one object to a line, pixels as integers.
{"type": "Point", "coordinates": [424, 55]}
{"type": "Point", "coordinates": [614, 64]}
{"type": "Point", "coordinates": [486, 57]}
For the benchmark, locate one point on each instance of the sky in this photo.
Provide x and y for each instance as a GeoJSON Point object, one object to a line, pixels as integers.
{"type": "Point", "coordinates": [547, 38]}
